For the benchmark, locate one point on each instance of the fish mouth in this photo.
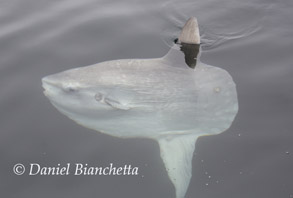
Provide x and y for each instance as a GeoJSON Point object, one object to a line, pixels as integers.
{"type": "Point", "coordinates": [50, 86]}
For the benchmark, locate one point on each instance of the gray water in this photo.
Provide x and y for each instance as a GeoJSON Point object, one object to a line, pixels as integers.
{"type": "Point", "coordinates": [252, 40]}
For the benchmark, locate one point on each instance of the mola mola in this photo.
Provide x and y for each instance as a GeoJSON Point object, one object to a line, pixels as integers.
{"type": "Point", "coordinates": [174, 100]}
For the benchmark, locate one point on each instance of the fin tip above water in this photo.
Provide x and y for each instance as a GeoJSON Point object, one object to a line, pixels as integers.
{"type": "Point", "coordinates": [190, 32]}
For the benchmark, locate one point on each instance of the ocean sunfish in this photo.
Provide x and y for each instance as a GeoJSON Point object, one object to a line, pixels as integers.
{"type": "Point", "coordinates": [174, 100]}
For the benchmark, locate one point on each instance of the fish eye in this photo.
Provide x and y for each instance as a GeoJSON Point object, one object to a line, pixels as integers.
{"type": "Point", "coordinates": [69, 89]}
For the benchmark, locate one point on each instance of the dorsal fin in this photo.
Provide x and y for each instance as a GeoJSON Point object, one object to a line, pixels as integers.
{"type": "Point", "coordinates": [190, 32]}
{"type": "Point", "coordinates": [185, 53]}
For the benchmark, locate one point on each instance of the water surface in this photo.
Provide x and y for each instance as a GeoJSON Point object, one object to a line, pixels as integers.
{"type": "Point", "coordinates": [252, 40]}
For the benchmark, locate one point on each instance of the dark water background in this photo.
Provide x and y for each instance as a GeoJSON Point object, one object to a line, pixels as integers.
{"type": "Point", "coordinates": [252, 40]}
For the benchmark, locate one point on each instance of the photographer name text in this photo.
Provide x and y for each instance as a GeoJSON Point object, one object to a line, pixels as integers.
{"type": "Point", "coordinates": [77, 169]}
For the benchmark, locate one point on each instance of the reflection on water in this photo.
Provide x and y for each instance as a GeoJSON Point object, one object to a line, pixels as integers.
{"type": "Point", "coordinates": [38, 38]}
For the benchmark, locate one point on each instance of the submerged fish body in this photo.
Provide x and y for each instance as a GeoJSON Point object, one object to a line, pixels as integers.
{"type": "Point", "coordinates": [160, 98]}
{"type": "Point", "coordinates": [146, 98]}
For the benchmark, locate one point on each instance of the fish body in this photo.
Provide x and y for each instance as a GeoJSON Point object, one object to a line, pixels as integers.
{"type": "Point", "coordinates": [163, 99]}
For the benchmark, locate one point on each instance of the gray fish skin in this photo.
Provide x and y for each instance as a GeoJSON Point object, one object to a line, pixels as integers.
{"type": "Point", "coordinates": [162, 99]}
{"type": "Point", "coordinates": [143, 98]}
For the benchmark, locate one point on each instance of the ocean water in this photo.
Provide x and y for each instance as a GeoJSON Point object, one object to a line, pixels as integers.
{"type": "Point", "coordinates": [252, 40]}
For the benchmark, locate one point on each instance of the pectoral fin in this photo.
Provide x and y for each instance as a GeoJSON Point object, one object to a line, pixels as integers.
{"type": "Point", "coordinates": [115, 104]}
